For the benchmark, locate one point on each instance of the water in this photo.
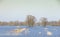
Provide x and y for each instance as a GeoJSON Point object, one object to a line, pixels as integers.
{"type": "Point", "coordinates": [36, 31]}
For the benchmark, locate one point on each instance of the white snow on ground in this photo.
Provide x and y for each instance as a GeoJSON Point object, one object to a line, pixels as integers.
{"type": "Point", "coordinates": [49, 33]}
{"type": "Point", "coordinates": [46, 28]}
{"type": "Point", "coordinates": [27, 31]}
{"type": "Point", "coordinates": [17, 26]}
{"type": "Point", "coordinates": [55, 29]}
{"type": "Point", "coordinates": [39, 32]}
{"type": "Point", "coordinates": [16, 31]}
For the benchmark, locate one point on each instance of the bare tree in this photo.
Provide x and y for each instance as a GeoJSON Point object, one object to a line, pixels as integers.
{"type": "Point", "coordinates": [58, 22]}
{"type": "Point", "coordinates": [44, 21]}
{"type": "Point", "coordinates": [30, 20]}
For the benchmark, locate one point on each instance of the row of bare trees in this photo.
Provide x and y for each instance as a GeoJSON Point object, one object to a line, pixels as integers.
{"type": "Point", "coordinates": [31, 21]}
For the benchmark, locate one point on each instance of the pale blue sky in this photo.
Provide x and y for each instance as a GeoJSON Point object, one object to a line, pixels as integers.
{"type": "Point", "coordinates": [11, 10]}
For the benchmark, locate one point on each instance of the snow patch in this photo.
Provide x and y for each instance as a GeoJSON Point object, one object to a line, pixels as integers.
{"type": "Point", "coordinates": [16, 31]}
{"type": "Point", "coordinates": [39, 32]}
{"type": "Point", "coordinates": [49, 33]}
{"type": "Point", "coordinates": [46, 28]}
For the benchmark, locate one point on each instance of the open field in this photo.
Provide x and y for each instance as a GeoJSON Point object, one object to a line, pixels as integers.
{"type": "Point", "coordinates": [24, 31]}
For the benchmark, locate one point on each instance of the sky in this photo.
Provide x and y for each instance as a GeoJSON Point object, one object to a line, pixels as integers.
{"type": "Point", "coordinates": [12, 10]}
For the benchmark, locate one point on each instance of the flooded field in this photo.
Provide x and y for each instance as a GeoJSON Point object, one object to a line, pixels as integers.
{"type": "Point", "coordinates": [24, 31]}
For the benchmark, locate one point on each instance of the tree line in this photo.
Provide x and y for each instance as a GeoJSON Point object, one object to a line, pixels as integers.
{"type": "Point", "coordinates": [31, 21]}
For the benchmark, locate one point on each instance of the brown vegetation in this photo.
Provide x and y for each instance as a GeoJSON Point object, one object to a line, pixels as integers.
{"type": "Point", "coordinates": [31, 21]}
